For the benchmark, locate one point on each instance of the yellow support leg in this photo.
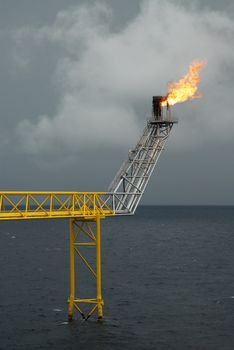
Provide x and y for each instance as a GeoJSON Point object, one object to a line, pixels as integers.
{"type": "Point", "coordinates": [98, 268]}
{"type": "Point", "coordinates": [82, 235]}
{"type": "Point", "coordinates": [72, 271]}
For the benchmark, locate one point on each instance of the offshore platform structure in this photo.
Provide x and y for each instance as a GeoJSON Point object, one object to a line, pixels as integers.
{"type": "Point", "coordinates": [85, 210]}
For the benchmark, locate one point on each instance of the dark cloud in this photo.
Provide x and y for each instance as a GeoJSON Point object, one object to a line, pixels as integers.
{"type": "Point", "coordinates": [103, 75]}
{"type": "Point", "coordinates": [88, 77]}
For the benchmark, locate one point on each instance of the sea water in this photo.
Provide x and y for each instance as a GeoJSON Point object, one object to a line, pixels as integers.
{"type": "Point", "coordinates": [167, 278]}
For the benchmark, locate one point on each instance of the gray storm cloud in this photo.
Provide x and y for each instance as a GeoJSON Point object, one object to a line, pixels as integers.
{"type": "Point", "coordinates": [104, 77]}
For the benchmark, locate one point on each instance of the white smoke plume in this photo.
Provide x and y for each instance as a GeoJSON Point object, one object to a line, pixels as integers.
{"type": "Point", "coordinates": [106, 79]}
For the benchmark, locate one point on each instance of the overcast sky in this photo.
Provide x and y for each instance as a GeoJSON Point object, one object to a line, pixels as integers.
{"type": "Point", "coordinates": [77, 78]}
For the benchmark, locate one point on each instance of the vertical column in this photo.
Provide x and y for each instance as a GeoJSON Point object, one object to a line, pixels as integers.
{"type": "Point", "coordinates": [98, 268]}
{"type": "Point", "coordinates": [72, 270]}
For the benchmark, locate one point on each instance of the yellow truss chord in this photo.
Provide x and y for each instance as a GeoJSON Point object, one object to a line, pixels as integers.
{"type": "Point", "coordinates": [45, 205]}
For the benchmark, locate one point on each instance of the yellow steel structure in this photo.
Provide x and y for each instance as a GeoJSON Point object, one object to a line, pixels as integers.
{"type": "Point", "coordinates": [83, 209]}
{"type": "Point", "coordinates": [47, 205]}
{"type": "Point", "coordinates": [94, 240]}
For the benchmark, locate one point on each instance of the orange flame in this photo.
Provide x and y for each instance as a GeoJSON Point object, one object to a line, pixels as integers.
{"type": "Point", "coordinates": [186, 87]}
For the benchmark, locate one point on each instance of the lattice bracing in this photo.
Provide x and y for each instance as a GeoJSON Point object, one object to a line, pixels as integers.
{"type": "Point", "coordinates": [85, 234]}
{"type": "Point", "coordinates": [44, 205]}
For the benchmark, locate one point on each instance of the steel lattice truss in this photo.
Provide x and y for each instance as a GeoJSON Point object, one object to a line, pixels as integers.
{"type": "Point", "coordinates": [86, 209]}
{"type": "Point", "coordinates": [130, 182]}
{"type": "Point", "coordinates": [123, 194]}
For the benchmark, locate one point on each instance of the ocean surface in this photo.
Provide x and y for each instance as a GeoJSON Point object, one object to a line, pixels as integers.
{"type": "Point", "coordinates": [167, 276]}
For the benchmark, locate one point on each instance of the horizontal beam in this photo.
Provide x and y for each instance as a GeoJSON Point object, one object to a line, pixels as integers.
{"type": "Point", "coordinates": [21, 205]}
{"type": "Point", "coordinates": [18, 205]}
